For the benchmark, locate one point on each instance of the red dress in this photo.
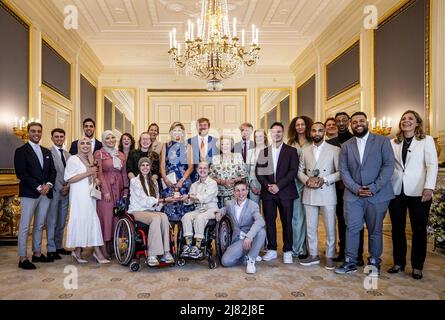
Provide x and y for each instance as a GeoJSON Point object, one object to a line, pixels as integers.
{"type": "Point", "coordinates": [112, 181]}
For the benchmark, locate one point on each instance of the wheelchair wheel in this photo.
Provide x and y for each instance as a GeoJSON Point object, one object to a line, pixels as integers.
{"type": "Point", "coordinates": [212, 262]}
{"type": "Point", "coordinates": [181, 262]}
{"type": "Point", "coordinates": [135, 266]}
{"type": "Point", "coordinates": [224, 232]}
{"type": "Point", "coordinates": [124, 241]}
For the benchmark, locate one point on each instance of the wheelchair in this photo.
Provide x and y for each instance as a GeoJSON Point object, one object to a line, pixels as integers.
{"type": "Point", "coordinates": [215, 233]}
{"type": "Point", "coordinates": [130, 239]}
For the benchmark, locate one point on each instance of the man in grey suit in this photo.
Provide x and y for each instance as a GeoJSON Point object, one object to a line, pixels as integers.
{"type": "Point", "coordinates": [56, 217]}
{"type": "Point", "coordinates": [366, 167]}
{"type": "Point", "coordinates": [243, 146]}
{"type": "Point", "coordinates": [319, 171]}
{"type": "Point", "coordinates": [249, 231]}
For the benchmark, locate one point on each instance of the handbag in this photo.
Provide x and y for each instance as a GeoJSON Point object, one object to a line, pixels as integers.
{"type": "Point", "coordinates": [95, 193]}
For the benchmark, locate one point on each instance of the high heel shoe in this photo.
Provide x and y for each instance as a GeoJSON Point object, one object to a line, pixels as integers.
{"type": "Point", "coordinates": [100, 261]}
{"type": "Point", "coordinates": [78, 259]}
{"type": "Point", "coordinates": [417, 274]}
{"type": "Point", "coordinates": [396, 268]}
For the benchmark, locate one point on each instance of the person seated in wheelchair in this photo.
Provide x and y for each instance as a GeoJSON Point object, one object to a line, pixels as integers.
{"type": "Point", "coordinates": [204, 194]}
{"type": "Point", "coordinates": [145, 206]}
{"type": "Point", "coordinates": [249, 232]}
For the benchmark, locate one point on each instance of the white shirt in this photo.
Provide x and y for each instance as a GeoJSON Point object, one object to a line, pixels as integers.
{"type": "Point", "coordinates": [93, 144]}
{"type": "Point", "coordinates": [206, 192]}
{"type": "Point", "coordinates": [37, 151]}
{"type": "Point", "coordinates": [275, 156]}
{"type": "Point", "coordinates": [317, 150]}
{"type": "Point", "coordinates": [238, 209]}
{"type": "Point", "coordinates": [361, 144]}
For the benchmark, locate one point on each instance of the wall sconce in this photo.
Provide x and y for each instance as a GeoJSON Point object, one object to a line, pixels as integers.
{"type": "Point", "coordinates": [20, 129]}
{"type": "Point", "coordinates": [382, 127]}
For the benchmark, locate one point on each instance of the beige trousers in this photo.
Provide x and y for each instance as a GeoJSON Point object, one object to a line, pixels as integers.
{"type": "Point", "coordinates": [158, 238]}
{"type": "Point", "coordinates": [197, 220]}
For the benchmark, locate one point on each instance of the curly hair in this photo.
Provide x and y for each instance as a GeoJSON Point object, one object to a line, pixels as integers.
{"type": "Point", "coordinates": [419, 133]}
{"type": "Point", "coordinates": [292, 135]}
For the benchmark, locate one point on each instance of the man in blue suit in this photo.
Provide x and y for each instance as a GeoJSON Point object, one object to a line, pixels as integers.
{"type": "Point", "coordinates": [366, 167]}
{"type": "Point", "coordinates": [203, 146]}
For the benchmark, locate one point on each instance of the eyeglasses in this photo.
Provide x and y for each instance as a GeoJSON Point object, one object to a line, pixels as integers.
{"type": "Point", "coordinates": [87, 143]}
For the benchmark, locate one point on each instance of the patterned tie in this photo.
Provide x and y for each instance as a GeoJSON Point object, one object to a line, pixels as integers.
{"type": "Point", "coordinates": [203, 150]}
{"type": "Point", "coordinates": [63, 158]}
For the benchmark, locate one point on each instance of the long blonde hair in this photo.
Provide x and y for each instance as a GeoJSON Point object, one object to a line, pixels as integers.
{"type": "Point", "coordinates": [419, 133]}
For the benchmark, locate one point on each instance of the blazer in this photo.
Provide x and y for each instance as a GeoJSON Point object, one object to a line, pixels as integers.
{"type": "Point", "coordinates": [287, 172]}
{"type": "Point", "coordinates": [375, 171]}
{"type": "Point", "coordinates": [420, 169]}
{"type": "Point", "coordinates": [60, 169]}
{"type": "Point", "coordinates": [251, 221]}
{"type": "Point", "coordinates": [328, 168]}
{"type": "Point", "coordinates": [73, 148]}
{"type": "Point", "coordinates": [238, 148]}
{"type": "Point", "coordinates": [30, 173]}
{"type": "Point", "coordinates": [212, 149]}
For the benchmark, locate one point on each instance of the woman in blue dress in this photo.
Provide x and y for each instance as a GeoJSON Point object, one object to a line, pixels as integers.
{"type": "Point", "coordinates": [176, 168]}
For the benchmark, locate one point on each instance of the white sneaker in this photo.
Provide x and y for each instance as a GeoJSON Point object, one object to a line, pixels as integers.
{"type": "Point", "coordinates": [270, 255]}
{"type": "Point", "coordinates": [258, 259]}
{"type": "Point", "coordinates": [250, 266]}
{"type": "Point", "coordinates": [287, 257]}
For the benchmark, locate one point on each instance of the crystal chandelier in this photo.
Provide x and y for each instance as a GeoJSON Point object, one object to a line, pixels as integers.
{"type": "Point", "coordinates": [216, 52]}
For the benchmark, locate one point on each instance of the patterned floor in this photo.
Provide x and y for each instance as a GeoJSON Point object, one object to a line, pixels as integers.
{"type": "Point", "coordinates": [273, 280]}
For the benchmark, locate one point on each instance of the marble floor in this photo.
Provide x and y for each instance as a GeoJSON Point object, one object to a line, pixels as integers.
{"type": "Point", "coordinates": [64, 279]}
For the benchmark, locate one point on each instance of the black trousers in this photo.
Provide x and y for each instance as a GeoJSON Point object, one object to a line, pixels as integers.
{"type": "Point", "coordinates": [270, 215]}
{"type": "Point", "coordinates": [341, 224]}
{"type": "Point", "coordinates": [418, 215]}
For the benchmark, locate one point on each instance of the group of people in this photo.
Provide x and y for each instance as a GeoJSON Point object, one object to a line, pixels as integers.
{"type": "Point", "coordinates": [351, 178]}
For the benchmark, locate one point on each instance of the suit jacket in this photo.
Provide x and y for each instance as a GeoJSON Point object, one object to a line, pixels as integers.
{"type": "Point", "coordinates": [420, 169]}
{"type": "Point", "coordinates": [287, 171]}
{"type": "Point", "coordinates": [97, 146]}
{"type": "Point", "coordinates": [30, 173]}
{"type": "Point", "coordinates": [212, 149]}
{"type": "Point", "coordinates": [250, 222]}
{"type": "Point", "coordinates": [328, 168]}
{"type": "Point", "coordinates": [60, 169]}
{"type": "Point", "coordinates": [238, 148]}
{"type": "Point", "coordinates": [375, 171]}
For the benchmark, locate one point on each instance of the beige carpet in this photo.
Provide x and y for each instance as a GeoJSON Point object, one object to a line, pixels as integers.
{"type": "Point", "coordinates": [273, 280]}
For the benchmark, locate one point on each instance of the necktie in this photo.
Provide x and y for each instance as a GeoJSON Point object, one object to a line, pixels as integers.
{"type": "Point", "coordinates": [203, 150]}
{"type": "Point", "coordinates": [63, 158]}
{"type": "Point", "coordinates": [39, 154]}
{"type": "Point", "coordinates": [245, 151]}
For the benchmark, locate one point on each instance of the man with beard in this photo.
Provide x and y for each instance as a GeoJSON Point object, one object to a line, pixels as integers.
{"type": "Point", "coordinates": [366, 167]}
{"type": "Point", "coordinates": [203, 146]}
{"type": "Point", "coordinates": [89, 128]}
{"type": "Point", "coordinates": [342, 122]}
{"type": "Point", "coordinates": [318, 172]}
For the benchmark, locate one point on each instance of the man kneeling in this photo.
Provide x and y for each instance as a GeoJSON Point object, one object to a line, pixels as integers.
{"type": "Point", "coordinates": [204, 193]}
{"type": "Point", "coordinates": [249, 231]}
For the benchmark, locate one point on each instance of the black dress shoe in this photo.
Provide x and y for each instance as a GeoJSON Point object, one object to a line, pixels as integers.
{"type": "Point", "coordinates": [63, 252]}
{"type": "Point", "coordinates": [42, 258]}
{"type": "Point", "coordinates": [302, 256]}
{"type": "Point", "coordinates": [396, 268]}
{"type": "Point", "coordinates": [339, 258]}
{"type": "Point", "coordinates": [417, 274]}
{"type": "Point", "coordinates": [27, 265]}
{"type": "Point", "coordinates": [54, 256]}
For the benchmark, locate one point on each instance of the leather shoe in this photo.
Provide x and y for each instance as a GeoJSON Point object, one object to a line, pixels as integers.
{"type": "Point", "coordinates": [42, 258]}
{"type": "Point", "coordinates": [417, 274]}
{"type": "Point", "coordinates": [63, 252]}
{"type": "Point", "coordinates": [303, 256]}
{"type": "Point", "coordinates": [54, 256]}
{"type": "Point", "coordinates": [396, 268]}
{"type": "Point", "coordinates": [27, 265]}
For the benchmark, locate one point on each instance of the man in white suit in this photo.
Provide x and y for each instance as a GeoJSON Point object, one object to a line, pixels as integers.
{"type": "Point", "coordinates": [56, 217]}
{"type": "Point", "coordinates": [249, 232]}
{"type": "Point", "coordinates": [319, 171]}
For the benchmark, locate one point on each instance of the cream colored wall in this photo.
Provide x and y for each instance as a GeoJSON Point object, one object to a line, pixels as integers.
{"type": "Point", "coordinates": [45, 104]}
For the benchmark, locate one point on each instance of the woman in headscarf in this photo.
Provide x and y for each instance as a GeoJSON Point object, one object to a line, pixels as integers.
{"type": "Point", "coordinates": [83, 228]}
{"type": "Point", "coordinates": [113, 178]}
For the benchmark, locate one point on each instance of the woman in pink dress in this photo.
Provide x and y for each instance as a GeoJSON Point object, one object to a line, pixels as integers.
{"type": "Point", "coordinates": [113, 178]}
